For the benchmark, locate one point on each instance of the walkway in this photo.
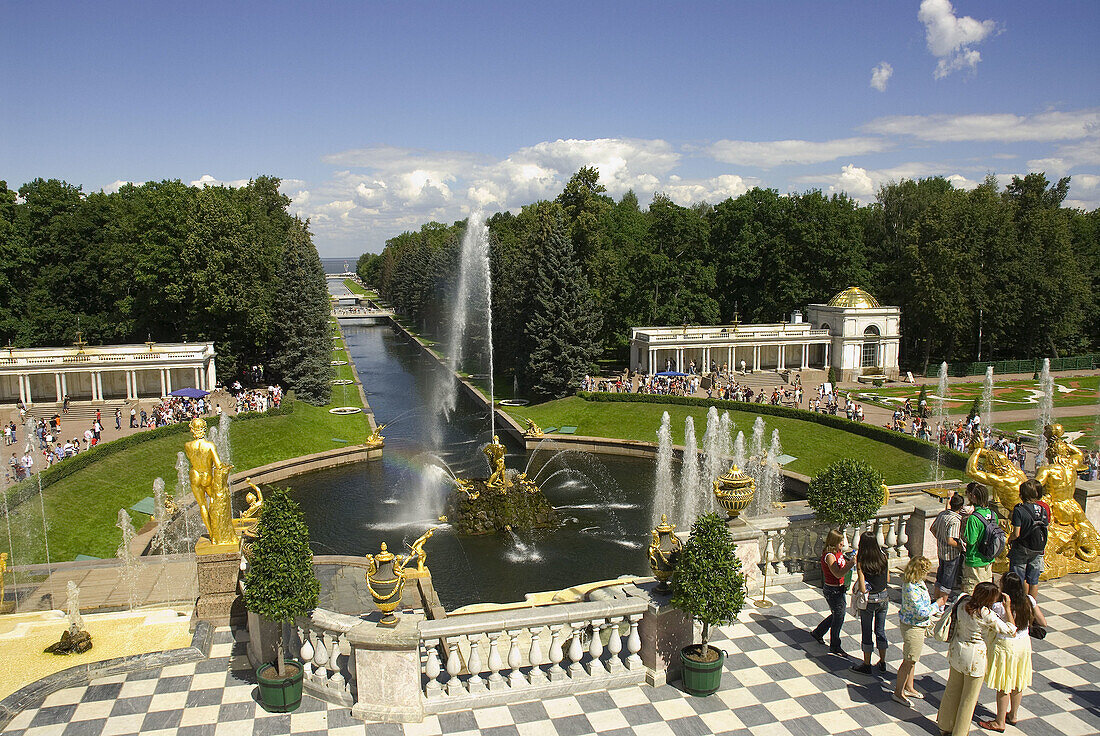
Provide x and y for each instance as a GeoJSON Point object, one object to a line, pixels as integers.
{"type": "Point", "coordinates": [778, 681]}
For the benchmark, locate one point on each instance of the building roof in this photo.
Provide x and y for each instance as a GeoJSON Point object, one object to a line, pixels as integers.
{"type": "Point", "coordinates": [854, 298]}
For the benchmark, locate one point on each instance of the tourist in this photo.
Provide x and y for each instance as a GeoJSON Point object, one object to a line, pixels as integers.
{"type": "Point", "coordinates": [947, 529]}
{"type": "Point", "coordinates": [872, 574]}
{"type": "Point", "coordinates": [915, 615]}
{"type": "Point", "coordinates": [976, 567]}
{"type": "Point", "coordinates": [972, 622]}
{"type": "Point", "coordinates": [1009, 669]}
{"type": "Point", "coordinates": [836, 562]}
{"type": "Point", "coordinates": [1028, 540]}
{"type": "Point", "coordinates": [9, 435]}
{"type": "Point", "coordinates": [118, 418]}
{"type": "Point", "coordinates": [133, 418]}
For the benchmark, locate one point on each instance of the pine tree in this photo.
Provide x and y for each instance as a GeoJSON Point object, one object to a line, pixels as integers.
{"type": "Point", "coordinates": [302, 348]}
{"type": "Point", "coordinates": [561, 330]}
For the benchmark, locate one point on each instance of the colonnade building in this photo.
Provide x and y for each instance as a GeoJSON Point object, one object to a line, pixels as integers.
{"type": "Point", "coordinates": [852, 333]}
{"type": "Point", "coordinates": [104, 372]}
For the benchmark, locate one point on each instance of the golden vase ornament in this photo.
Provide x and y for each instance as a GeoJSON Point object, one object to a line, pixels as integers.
{"type": "Point", "coordinates": [734, 490]}
{"type": "Point", "coordinates": [663, 551]}
{"type": "Point", "coordinates": [385, 581]}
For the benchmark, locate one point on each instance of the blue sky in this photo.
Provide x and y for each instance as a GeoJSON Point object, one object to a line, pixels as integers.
{"type": "Point", "coordinates": [380, 116]}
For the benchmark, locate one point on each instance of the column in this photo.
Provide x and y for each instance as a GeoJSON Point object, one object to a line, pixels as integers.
{"type": "Point", "coordinates": [755, 357]}
{"type": "Point", "coordinates": [64, 385]}
{"type": "Point", "coordinates": [651, 356]}
{"type": "Point", "coordinates": [805, 354]}
{"type": "Point", "coordinates": [211, 378]}
{"type": "Point", "coordinates": [99, 384]}
{"type": "Point", "coordinates": [730, 361]}
{"type": "Point", "coordinates": [163, 385]}
{"type": "Point", "coordinates": [197, 381]}
{"type": "Point", "coordinates": [680, 359]}
{"type": "Point", "coordinates": [27, 390]}
{"type": "Point", "coordinates": [57, 384]}
{"type": "Point", "coordinates": [706, 360]}
{"type": "Point", "coordinates": [133, 384]}
{"type": "Point", "coordinates": [168, 380]}
{"type": "Point", "coordinates": [826, 366]}
{"type": "Point", "coordinates": [22, 390]}
{"type": "Point", "coordinates": [782, 357]}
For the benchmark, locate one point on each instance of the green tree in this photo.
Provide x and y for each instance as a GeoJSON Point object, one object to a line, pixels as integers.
{"type": "Point", "coordinates": [708, 584]}
{"type": "Point", "coordinates": [847, 492]}
{"type": "Point", "coordinates": [562, 326]}
{"type": "Point", "coordinates": [303, 352]}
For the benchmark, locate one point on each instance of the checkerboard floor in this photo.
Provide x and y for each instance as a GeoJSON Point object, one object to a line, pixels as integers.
{"type": "Point", "coordinates": [778, 681]}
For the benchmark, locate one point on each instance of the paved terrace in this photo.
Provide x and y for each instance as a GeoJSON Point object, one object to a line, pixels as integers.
{"type": "Point", "coordinates": [778, 681]}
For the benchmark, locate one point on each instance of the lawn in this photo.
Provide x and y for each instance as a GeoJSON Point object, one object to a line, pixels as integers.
{"type": "Point", "coordinates": [1088, 426]}
{"type": "Point", "coordinates": [82, 509]}
{"type": "Point", "coordinates": [814, 445]}
{"type": "Point", "coordinates": [1007, 395]}
{"type": "Point", "coordinates": [355, 288]}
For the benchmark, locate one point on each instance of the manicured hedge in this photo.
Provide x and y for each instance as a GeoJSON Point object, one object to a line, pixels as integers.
{"type": "Point", "coordinates": [921, 448]}
{"type": "Point", "coordinates": [23, 490]}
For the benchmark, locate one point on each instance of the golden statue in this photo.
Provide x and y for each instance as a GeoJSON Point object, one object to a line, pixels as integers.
{"type": "Point", "coordinates": [417, 549]}
{"type": "Point", "coordinates": [993, 469]}
{"type": "Point", "coordinates": [375, 439]}
{"type": "Point", "coordinates": [245, 524]}
{"type": "Point", "coordinates": [467, 487]}
{"type": "Point", "coordinates": [1073, 543]}
{"type": "Point", "coordinates": [533, 430]}
{"type": "Point", "coordinates": [494, 451]}
{"type": "Point", "coordinates": [210, 484]}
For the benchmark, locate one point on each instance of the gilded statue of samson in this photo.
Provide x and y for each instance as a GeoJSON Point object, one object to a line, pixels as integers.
{"type": "Point", "coordinates": [210, 484]}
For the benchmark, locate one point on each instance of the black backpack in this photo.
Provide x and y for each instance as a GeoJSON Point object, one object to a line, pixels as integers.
{"type": "Point", "coordinates": [1034, 539]}
{"type": "Point", "coordinates": [994, 539]}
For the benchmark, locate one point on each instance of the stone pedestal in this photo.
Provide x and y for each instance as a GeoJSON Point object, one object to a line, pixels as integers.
{"type": "Point", "coordinates": [664, 631]}
{"type": "Point", "coordinates": [219, 600]}
{"type": "Point", "coordinates": [387, 670]}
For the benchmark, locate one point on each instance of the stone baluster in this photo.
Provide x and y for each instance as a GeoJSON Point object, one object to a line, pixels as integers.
{"type": "Point", "coordinates": [433, 688]}
{"type": "Point", "coordinates": [903, 534]}
{"type": "Point", "coordinates": [454, 666]}
{"type": "Point", "coordinates": [890, 537]}
{"type": "Point", "coordinates": [536, 675]}
{"type": "Point", "coordinates": [476, 683]}
{"type": "Point", "coordinates": [320, 658]}
{"type": "Point", "coordinates": [349, 663]}
{"type": "Point", "coordinates": [556, 673]}
{"type": "Point", "coordinates": [634, 644]}
{"type": "Point", "coordinates": [496, 682]}
{"type": "Point", "coordinates": [298, 635]}
{"type": "Point", "coordinates": [307, 653]}
{"type": "Point", "coordinates": [614, 647]}
{"type": "Point", "coordinates": [576, 651]}
{"type": "Point", "coordinates": [515, 674]}
{"type": "Point", "coordinates": [595, 650]}
{"type": "Point", "coordinates": [781, 557]}
{"type": "Point", "coordinates": [336, 659]}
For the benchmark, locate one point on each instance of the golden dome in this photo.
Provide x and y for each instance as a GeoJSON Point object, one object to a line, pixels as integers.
{"type": "Point", "coordinates": [854, 298]}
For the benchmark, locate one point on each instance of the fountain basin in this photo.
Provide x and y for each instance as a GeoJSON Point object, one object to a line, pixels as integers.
{"type": "Point", "coordinates": [342, 410]}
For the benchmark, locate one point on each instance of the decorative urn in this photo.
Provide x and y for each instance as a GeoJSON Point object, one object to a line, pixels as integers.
{"type": "Point", "coordinates": [734, 490]}
{"type": "Point", "coordinates": [385, 581]}
{"type": "Point", "coordinates": [663, 551]}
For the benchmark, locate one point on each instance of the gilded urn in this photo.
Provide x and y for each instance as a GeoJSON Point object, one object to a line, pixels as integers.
{"type": "Point", "coordinates": [385, 581]}
{"type": "Point", "coordinates": [734, 490]}
{"type": "Point", "coordinates": [663, 551]}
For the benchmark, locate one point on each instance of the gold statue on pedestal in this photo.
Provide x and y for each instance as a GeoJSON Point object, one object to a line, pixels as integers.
{"type": "Point", "coordinates": [417, 550]}
{"type": "Point", "coordinates": [245, 524]}
{"type": "Point", "coordinates": [494, 451]}
{"type": "Point", "coordinates": [210, 484]}
{"type": "Point", "coordinates": [1073, 544]}
{"type": "Point", "coordinates": [533, 430]}
{"type": "Point", "coordinates": [375, 438]}
{"type": "Point", "coordinates": [993, 469]}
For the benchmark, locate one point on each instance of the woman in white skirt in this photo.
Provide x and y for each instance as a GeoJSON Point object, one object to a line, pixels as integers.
{"type": "Point", "coordinates": [1009, 671]}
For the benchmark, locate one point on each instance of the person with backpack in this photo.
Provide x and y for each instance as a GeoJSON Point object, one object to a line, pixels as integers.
{"type": "Point", "coordinates": [1030, 526]}
{"type": "Point", "coordinates": [984, 539]}
{"type": "Point", "coordinates": [947, 529]}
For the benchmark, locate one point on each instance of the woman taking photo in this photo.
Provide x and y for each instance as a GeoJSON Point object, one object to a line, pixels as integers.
{"type": "Point", "coordinates": [1009, 671]}
{"type": "Point", "coordinates": [872, 573]}
{"type": "Point", "coordinates": [973, 621]}
{"type": "Point", "coordinates": [835, 564]}
{"type": "Point", "coordinates": [915, 615]}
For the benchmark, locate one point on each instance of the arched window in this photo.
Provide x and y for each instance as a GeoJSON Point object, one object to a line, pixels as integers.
{"type": "Point", "coordinates": [824, 325]}
{"type": "Point", "coordinates": [872, 330]}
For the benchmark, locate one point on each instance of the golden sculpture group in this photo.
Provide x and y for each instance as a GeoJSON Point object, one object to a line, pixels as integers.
{"type": "Point", "coordinates": [498, 479]}
{"type": "Point", "coordinates": [1073, 543]}
{"type": "Point", "coordinates": [210, 486]}
{"type": "Point", "coordinates": [375, 438]}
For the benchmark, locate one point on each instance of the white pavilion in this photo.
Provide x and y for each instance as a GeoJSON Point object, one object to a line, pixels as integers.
{"type": "Point", "coordinates": [852, 333]}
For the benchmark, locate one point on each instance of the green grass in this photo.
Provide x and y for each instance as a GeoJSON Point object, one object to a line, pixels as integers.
{"type": "Point", "coordinates": [1089, 425]}
{"type": "Point", "coordinates": [814, 445]}
{"type": "Point", "coordinates": [1007, 395]}
{"type": "Point", "coordinates": [82, 509]}
{"type": "Point", "coordinates": [355, 288]}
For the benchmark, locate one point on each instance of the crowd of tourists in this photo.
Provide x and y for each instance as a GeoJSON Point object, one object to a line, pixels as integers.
{"type": "Point", "coordinates": [989, 626]}
{"type": "Point", "coordinates": [43, 445]}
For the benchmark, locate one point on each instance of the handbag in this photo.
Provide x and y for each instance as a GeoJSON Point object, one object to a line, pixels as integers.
{"type": "Point", "coordinates": [1037, 630]}
{"type": "Point", "coordinates": [858, 602]}
{"type": "Point", "coordinates": [944, 629]}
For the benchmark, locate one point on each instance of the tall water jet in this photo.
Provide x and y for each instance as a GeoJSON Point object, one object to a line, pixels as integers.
{"type": "Point", "coordinates": [32, 436]}
{"type": "Point", "coordinates": [941, 419]}
{"type": "Point", "coordinates": [1046, 410]}
{"type": "Point", "coordinates": [739, 457]}
{"type": "Point", "coordinates": [127, 573]}
{"type": "Point", "coordinates": [72, 605]}
{"type": "Point", "coordinates": [756, 449]}
{"type": "Point", "coordinates": [764, 469]}
{"type": "Point", "coordinates": [689, 477]}
{"type": "Point", "coordinates": [187, 531]}
{"type": "Point", "coordinates": [160, 534]}
{"type": "Point", "coordinates": [987, 399]}
{"type": "Point", "coordinates": [474, 297]}
{"type": "Point", "coordinates": [664, 500]}
{"type": "Point", "coordinates": [221, 440]}
{"type": "Point", "coordinates": [714, 462]}
{"type": "Point", "coordinates": [726, 429]}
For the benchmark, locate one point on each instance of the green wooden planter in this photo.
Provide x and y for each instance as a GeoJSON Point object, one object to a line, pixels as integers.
{"type": "Point", "coordinates": [277, 694]}
{"type": "Point", "coordinates": [702, 678]}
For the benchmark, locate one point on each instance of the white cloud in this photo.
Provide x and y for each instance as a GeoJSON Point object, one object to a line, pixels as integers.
{"type": "Point", "coordinates": [119, 184]}
{"type": "Point", "coordinates": [880, 75]}
{"type": "Point", "coordinates": [767, 154]}
{"type": "Point", "coordinates": [991, 127]}
{"type": "Point", "coordinates": [863, 184]}
{"type": "Point", "coordinates": [1067, 157]}
{"type": "Point", "coordinates": [686, 192]}
{"type": "Point", "coordinates": [206, 180]}
{"type": "Point", "coordinates": [951, 38]}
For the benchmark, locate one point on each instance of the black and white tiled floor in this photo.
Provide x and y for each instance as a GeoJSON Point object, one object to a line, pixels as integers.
{"type": "Point", "coordinates": [778, 681]}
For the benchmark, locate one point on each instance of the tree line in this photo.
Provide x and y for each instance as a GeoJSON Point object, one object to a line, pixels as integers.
{"type": "Point", "coordinates": [989, 273]}
{"type": "Point", "coordinates": [168, 262]}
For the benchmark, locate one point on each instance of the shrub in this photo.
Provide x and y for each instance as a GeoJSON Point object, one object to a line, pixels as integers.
{"type": "Point", "coordinates": [848, 492]}
{"type": "Point", "coordinates": [708, 584]}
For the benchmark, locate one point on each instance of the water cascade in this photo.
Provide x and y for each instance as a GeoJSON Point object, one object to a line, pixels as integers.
{"type": "Point", "coordinates": [739, 457]}
{"type": "Point", "coordinates": [689, 478]}
{"type": "Point", "coordinates": [128, 572]}
{"type": "Point", "coordinates": [664, 500]}
{"type": "Point", "coordinates": [987, 399]}
{"type": "Point", "coordinates": [941, 420]}
{"type": "Point", "coordinates": [1046, 410]}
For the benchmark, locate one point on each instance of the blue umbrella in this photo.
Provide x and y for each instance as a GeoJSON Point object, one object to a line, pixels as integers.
{"type": "Point", "coordinates": [676, 374]}
{"type": "Point", "coordinates": [190, 393]}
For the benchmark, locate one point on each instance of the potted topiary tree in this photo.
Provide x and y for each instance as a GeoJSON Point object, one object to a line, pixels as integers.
{"type": "Point", "coordinates": [280, 586]}
{"type": "Point", "coordinates": [708, 585]}
{"type": "Point", "coordinates": [847, 493]}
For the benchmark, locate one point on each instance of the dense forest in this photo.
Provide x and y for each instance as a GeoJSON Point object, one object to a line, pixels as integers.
{"type": "Point", "coordinates": [167, 262]}
{"type": "Point", "coordinates": [996, 272]}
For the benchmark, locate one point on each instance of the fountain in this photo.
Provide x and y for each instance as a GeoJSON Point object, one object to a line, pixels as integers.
{"type": "Point", "coordinates": [941, 419]}
{"type": "Point", "coordinates": [987, 399]}
{"type": "Point", "coordinates": [75, 639]}
{"type": "Point", "coordinates": [689, 478]}
{"type": "Point", "coordinates": [664, 501]}
{"type": "Point", "coordinates": [128, 572]}
{"type": "Point", "coordinates": [739, 457]}
{"type": "Point", "coordinates": [763, 467]}
{"type": "Point", "coordinates": [1046, 410]}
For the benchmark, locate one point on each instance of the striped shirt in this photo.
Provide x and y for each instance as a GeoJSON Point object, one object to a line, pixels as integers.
{"type": "Point", "coordinates": [947, 526]}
